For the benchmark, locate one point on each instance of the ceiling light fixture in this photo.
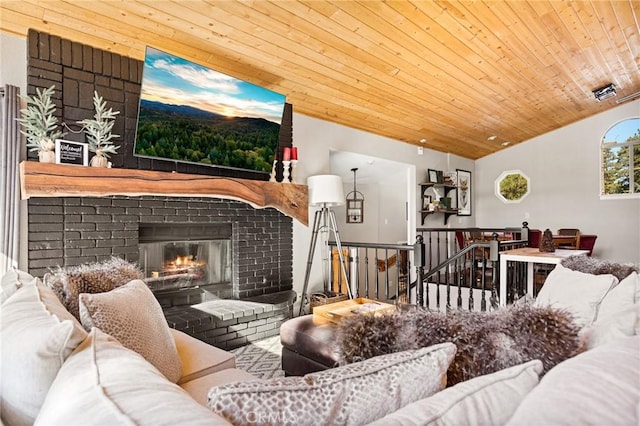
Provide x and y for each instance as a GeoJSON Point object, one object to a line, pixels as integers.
{"type": "Point", "coordinates": [423, 140]}
{"type": "Point", "coordinates": [605, 92]}
{"type": "Point", "coordinates": [505, 143]}
{"type": "Point", "coordinates": [492, 138]}
{"type": "Point", "coordinates": [355, 203]}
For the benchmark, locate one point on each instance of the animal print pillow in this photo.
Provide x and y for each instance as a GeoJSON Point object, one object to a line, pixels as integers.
{"type": "Point", "coordinates": [132, 315]}
{"type": "Point", "coordinates": [355, 394]}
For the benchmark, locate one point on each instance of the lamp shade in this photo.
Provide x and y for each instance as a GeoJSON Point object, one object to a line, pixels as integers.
{"type": "Point", "coordinates": [325, 190]}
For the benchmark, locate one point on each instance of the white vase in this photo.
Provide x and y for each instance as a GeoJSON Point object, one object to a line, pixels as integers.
{"type": "Point", "coordinates": [99, 161]}
{"type": "Point", "coordinates": [47, 156]}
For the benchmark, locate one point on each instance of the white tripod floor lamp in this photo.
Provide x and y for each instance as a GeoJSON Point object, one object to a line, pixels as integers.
{"type": "Point", "coordinates": [325, 191]}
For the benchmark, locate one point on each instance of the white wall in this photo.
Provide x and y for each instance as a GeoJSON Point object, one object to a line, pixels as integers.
{"type": "Point", "coordinates": [13, 67]}
{"type": "Point", "coordinates": [316, 139]}
{"type": "Point", "coordinates": [564, 168]}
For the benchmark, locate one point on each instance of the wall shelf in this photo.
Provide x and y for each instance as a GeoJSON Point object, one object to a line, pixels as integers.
{"type": "Point", "coordinates": [58, 180]}
{"type": "Point", "coordinates": [447, 188]}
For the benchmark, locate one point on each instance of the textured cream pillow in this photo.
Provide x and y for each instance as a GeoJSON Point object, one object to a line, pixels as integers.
{"type": "Point", "coordinates": [37, 336]}
{"type": "Point", "coordinates": [484, 400]}
{"type": "Point", "coordinates": [354, 394]}
{"type": "Point", "coordinates": [134, 317]}
{"type": "Point", "coordinates": [600, 386]}
{"type": "Point", "coordinates": [579, 293]}
{"type": "Point", "coordinates": [103, 383]}
{"type": "Point", "coordinates": [618, 314]}
{"type": "Point", "coordinates": [12, 281]}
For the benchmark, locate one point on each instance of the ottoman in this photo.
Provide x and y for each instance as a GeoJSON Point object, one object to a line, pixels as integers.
{"type": "Point", "coordinates": [308, 345]}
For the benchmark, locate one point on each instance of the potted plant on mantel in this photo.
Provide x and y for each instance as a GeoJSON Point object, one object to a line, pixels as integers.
{"type": "Point", "coordinates": [98, 131]}
{"type": "Point", "coordinates": [40, 125]}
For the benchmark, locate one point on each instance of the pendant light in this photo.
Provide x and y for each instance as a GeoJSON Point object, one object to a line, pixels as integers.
{"type": "Point", "coordinates": [355, 203]}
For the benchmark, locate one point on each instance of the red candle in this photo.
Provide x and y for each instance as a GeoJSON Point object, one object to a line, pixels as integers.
{"type": "Point", "coordinates": [286, 155]}
{"type": "Point", "coordinates": [294, 153]}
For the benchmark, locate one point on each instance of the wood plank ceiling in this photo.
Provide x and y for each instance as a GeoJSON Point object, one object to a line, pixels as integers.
{"type": "Point", "coordinates": [453, 73]}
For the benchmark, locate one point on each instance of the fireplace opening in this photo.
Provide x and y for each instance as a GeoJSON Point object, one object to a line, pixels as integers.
{"type": "Point", "coordinates": [186, 264]}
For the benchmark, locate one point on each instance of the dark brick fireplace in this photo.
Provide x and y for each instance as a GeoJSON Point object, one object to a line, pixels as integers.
{"type": "Point", "coordinates": [74, 230]}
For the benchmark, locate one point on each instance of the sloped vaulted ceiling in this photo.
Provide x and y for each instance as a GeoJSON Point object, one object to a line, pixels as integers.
{"type": "Point", "coordinates": [451, 73]}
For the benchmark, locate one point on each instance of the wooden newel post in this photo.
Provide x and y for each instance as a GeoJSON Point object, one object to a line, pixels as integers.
{"type": "Point", "coordinates": [418, 261]}
{"type": "Point", "coordinates": [524, 232]}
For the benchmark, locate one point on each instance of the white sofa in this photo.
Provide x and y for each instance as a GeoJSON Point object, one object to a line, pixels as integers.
{"type": "Point", "coordinates": [54, 372]}
{"type": "Point", "coordinates": [600, 386]}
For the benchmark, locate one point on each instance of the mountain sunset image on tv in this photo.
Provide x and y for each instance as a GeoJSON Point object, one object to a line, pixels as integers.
{"type": "Point", "coordinates": [191, 113]}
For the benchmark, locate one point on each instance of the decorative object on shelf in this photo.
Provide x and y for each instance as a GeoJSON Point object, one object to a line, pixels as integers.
{"type": "Point", "coordinates": [325, 191]}
{"type": "Point", "coordinates": [285, 171]}
{"type": "Point", "coordinates": [355, 203]}
{"type": "Point", "coordinates": [40, 125]}
{"type": "Point", "coordinates": [546, 242]}
{"type": "Point", "coordinates": [464, 192]}
{"type": "Point", "coordinates": [512, 186]}
{"type": "Point", "coordinates": [69, 152]}
{"type": "Point", "coordinates": [98, 131]}
{"type": "Point", "coordinates": [294, 164]}
{"type": "Point", "coordinates": [272, 177]}
{"type": "Point", "coordinates": [451, 178]}
{"type": "Point", "coordinates": [426, 203]}
{"type": "Point", "coordinates": [435, 176]}
{"type": "Point", "coordinates": [445, 202]}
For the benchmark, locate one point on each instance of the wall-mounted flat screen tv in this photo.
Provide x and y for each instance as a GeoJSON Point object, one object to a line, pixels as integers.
{"type": "Point", "coordinates": [191, 113]}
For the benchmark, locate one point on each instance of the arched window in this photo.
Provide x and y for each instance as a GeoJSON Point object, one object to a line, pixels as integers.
{"type": "Point", "coordinates": [620, 166]}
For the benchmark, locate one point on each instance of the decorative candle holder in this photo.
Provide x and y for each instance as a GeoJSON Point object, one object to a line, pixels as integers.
{"type": "Point", "coordinates": [294, 164]}
{"type": "Point", "coordinates": [272, 177]}
{"type": "Point", "coordinates": [285, 171]}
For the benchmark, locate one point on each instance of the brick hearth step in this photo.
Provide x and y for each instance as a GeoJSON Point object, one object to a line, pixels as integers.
{"type": "Point", "coordinates": [229, 323]}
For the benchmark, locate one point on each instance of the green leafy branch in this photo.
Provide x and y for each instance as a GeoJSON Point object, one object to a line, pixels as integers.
{"type": "Point", "coordinates": [98, 129]}
{"type": "Point", "coordinates": [39, 122]}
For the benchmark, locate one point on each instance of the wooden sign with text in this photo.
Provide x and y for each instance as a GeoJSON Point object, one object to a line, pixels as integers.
{"type": "Point", "coordinates": [68, 152]}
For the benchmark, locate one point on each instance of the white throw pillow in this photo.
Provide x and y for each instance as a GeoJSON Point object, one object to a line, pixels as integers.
{"type": "Point", "coordinates": [597, 387]}
{"type": "Point", "coordinates": [354, 394]}
{"type": "Point", "coordinates": [103, 383]}
{"type": "Point", "coordinates": [13, 280]}
{"type": "Point", "coordinates": [132, 315]}
{"type": "Point", "coordinates": [618, 315]}
{"type": "Point", "coordinates": [485, 400]}
{"type": "Point", "coordinates": [37, 335]}
{"type": "Point", "coordinates": [579, 293]}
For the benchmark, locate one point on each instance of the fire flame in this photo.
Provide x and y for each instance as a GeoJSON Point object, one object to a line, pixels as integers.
{"type": "Point", "coordinates": [184, 261]}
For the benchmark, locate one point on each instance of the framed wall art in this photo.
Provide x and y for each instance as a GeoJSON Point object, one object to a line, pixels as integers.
{"type": "Point", "coordinates": [464, 192]}
{"type": "Point", "coordinates": [435, 176]}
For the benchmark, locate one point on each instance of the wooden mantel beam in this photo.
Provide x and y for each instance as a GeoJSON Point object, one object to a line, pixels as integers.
{"type": "Point", "coordinates": [57, 180]}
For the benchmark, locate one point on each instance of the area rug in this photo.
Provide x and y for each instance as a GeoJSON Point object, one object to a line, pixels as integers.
{"type": "Point", "coordinates": [261, 358]}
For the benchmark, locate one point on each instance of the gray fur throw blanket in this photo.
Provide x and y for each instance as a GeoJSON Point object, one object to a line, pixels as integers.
{"type": "Point", "coordinates": [67, 282]}
{"type": "Point", "coordinates": [591, 265]}
{"type": "Point", "coordinates": [486, 341]}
